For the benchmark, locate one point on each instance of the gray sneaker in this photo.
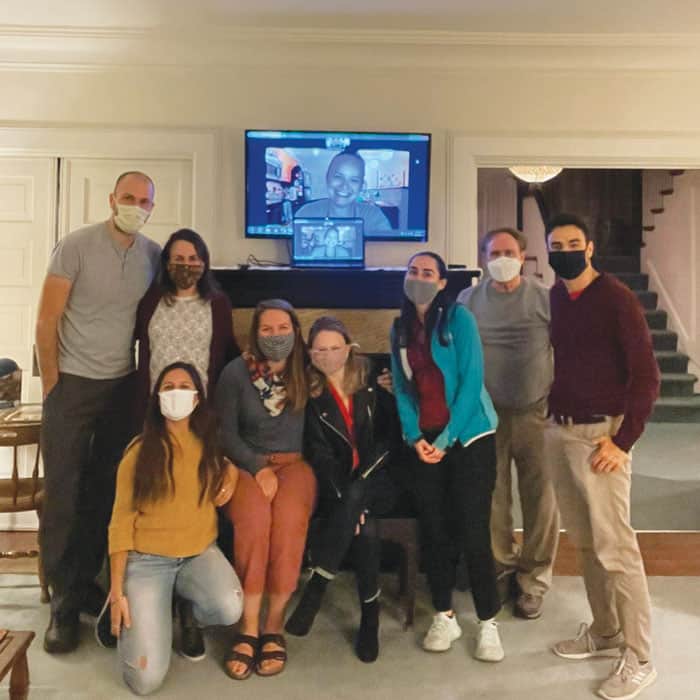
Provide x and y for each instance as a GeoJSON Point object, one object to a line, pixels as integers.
{"type": "Point", "coordinates": [586, 645]}
{"type": "Point", "coordinates": [528, 606]}
{"type": "Point", "coordinates": [628, 679]}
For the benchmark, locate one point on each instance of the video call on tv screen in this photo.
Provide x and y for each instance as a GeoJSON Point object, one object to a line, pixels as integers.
{"type": "Point", "coordinates": [382, 179]}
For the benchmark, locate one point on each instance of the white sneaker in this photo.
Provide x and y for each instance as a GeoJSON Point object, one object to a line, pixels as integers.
{"type": "Point", "coordinates": [442, 633]}
{"type": "Point", "coordinates": [488, 642]}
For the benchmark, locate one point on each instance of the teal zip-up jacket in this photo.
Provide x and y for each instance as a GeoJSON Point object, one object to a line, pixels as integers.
{"type": "Point", "coordinates": [462, 365]}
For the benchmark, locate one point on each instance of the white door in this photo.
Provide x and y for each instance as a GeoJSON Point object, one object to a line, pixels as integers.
{"type": "Point", "coordinates": [27, 236]}
{"type": "Point", "coordinates": [87, 182]}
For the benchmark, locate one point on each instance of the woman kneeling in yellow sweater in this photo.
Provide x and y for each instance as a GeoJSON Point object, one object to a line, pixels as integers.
{"type": "Point", "coordinates": [162, 536]}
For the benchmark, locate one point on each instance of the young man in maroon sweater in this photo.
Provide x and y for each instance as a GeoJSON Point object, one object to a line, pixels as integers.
{"type": "Point", "coordinates": [605, 383]}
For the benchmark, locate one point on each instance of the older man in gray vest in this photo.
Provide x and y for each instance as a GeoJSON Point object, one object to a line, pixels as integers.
{"type": "Point", "coordinates": [512, 312]}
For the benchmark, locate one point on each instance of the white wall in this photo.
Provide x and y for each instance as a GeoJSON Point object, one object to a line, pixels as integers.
{"type": "Point", "coordinates": [671, 257]}
{"type": "Point", "coordinates": [442, 84]}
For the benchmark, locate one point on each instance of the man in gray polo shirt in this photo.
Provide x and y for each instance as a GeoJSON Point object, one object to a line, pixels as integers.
{"type": "Point", "coordinates": [512, 313]}
{"type": "Point", "coordinates": [84, 340]}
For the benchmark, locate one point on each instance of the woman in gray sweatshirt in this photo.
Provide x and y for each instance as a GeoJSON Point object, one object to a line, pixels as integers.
{"type": "Point", "coordinates": [260, 399]}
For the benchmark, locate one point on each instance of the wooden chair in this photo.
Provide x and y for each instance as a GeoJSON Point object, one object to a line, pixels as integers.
{"type": "Point", "coordinates": [23, 494]}
{"type": "Point", "coordinates": [13, 657]}
{"type": "Point", "coordinates": [403, 531]}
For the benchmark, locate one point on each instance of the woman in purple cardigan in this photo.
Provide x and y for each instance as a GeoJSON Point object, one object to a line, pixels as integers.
{"type": "Point", "coordinates": [183, 317]}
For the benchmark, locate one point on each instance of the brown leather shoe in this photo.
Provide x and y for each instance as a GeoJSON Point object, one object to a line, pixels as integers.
{"type": "Point", "coordinates": [528, 606]}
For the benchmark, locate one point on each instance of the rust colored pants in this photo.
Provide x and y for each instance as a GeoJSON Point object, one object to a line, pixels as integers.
{"type": "Point", "coordinates": [269, 537]}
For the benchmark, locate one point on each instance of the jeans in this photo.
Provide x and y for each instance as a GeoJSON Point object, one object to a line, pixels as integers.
{"type": "Point", "coordinates": [453, 498]}
{"type": "Point", "coordinates": [207, 580]}
{"type": "Point", "coordinates": [337, 534]}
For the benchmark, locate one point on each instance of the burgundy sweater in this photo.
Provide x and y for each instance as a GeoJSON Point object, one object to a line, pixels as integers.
{"type": "Point", "coordinates": [433, 413]}
{"type": "Point", "coordinates": [604, 362]}
{"type": "Point", "coordinates": [223, 346]}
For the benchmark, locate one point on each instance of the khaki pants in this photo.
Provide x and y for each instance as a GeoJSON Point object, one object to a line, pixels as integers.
{"type": "Point", "coordinates": [595, 510]}
{"type": "Point", "coordinates": [520, 438]}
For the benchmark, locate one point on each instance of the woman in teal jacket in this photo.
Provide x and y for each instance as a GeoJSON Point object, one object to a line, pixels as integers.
{"type": "Point", "coordinates": [449, 421]}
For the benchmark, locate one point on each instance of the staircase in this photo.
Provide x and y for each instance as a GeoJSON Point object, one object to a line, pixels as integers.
{"type": "Point", "coordinates": [677, 402]}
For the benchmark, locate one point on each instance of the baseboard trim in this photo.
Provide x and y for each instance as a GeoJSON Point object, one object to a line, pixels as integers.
{"type": "Point", "coordinates": [674, 553]}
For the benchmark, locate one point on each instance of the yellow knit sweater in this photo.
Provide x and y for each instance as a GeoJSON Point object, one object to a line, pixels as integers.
{"type": "Point", "coordinates": [174, 526]}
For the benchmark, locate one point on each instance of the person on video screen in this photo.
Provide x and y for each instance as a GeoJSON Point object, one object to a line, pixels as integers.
{"type": "Point", "coordinates": [331, 247]}
{"type": "Point", "coordinates": [344, 179]}
{"type": "Point", "coordinates": [277, 206]}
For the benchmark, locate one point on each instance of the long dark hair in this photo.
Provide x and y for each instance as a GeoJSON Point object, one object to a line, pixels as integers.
{"type": "Point", "coordinates": [207, 285]}
{"type": "Point", "coordinates": [439, 307]}
{"type": "Point", "coordinates": [294, 375]}
{"type": "Point", "coordinates": [153, 473]}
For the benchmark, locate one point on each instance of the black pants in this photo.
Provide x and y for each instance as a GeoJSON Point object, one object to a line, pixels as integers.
{"type": "Point", "coordinates": [453, 499]}
{"type": "Point", "coordinates": [337, 537]}
{"type": "Point", "coordinates": [85, 428]}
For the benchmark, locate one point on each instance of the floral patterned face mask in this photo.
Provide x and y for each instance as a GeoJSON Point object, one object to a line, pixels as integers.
{"type": "Point", "coordinates": [185, 276]}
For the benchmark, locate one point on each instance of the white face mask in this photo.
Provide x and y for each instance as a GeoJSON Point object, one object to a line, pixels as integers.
{"type": "Point", "coordinates": [504, 269]}
{"type": "Point", "coordinates": [130, 218]}
{"type": "Point", "coordinates": [177, 404]}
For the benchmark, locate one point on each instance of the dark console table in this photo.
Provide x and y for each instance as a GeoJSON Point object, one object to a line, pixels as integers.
{"type": "Point", "coordinates": [371, 288]}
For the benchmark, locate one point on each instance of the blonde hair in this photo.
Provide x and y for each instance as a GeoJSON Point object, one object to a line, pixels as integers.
{"type": "Point", "coordinates": [356, 366]}
{"type": "Point", "coordinates": [294, 375]}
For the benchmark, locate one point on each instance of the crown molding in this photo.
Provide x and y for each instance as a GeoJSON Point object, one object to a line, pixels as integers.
{"type": "Point", "coordinates": [81, 48]}
{"type": "Point", "coordinates": [357, 36]}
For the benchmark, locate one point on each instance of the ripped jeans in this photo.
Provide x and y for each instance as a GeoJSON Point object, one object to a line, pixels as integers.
{"type": "Point", "coordinates": [207, 580]}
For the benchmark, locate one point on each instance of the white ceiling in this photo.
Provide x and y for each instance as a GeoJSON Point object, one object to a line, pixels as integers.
{"type": "Point", "coordinates": [541, 16]}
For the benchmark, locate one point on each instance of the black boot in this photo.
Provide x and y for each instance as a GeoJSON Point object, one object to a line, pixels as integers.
{"type": "Point", "coordinates": [62, 634]}
{"type": "Point", "coordinates": [301, 620]}
{"type": "Point", "coordinates": [367, 645]}
{"type": "Point", "coordinates": [191, 639]}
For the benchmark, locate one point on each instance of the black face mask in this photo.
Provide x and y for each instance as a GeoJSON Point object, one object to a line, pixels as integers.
{"type": "Point", "coordinates": [568, 264]}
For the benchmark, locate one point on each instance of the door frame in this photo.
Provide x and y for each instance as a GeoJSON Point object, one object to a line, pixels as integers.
{"type": "Point", "coordinates": [469, 152]}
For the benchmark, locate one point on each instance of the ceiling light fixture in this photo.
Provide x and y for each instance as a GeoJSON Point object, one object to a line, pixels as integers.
{"type": "Point", "coordinates": [535, 173]}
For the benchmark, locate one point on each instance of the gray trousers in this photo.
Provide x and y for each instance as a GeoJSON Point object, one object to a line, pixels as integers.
{"type": "Point", "coordinates": [595, 509]}
{"type": "Point", "coordinates": [85, 428]}
{"type": "Point", "coordinates": [520, 440]}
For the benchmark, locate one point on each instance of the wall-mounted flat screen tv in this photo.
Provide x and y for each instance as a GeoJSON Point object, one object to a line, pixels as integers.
{"type": "Point", "coordinates": [381, 178]}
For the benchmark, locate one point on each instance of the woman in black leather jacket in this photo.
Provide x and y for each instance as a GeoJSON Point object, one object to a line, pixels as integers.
{"type": "Point", "coordinates": [347, 435]}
